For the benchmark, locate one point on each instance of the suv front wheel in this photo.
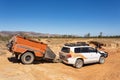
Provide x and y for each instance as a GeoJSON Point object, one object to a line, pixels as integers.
{"type": "Point", "coordinates": [78, 63]}
{"type": "Point", "coordinates": [102, 60]}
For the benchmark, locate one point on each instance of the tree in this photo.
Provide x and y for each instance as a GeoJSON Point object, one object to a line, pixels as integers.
{"type": "Point", "coordinates": [87, 35]}
{"type": "Point", "coordinates": [100, 35]}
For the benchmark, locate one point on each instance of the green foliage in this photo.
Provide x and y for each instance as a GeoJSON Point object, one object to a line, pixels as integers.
{"type": "Point", "coordinates": [87, 35]}
{"type": "Point", "coordinates": [5, 38]}
{"type": "Point", "coordinates": [100, 35]}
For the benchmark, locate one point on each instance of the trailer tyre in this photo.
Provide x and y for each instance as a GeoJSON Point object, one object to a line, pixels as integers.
{"type": "Point", "coordinates": [27, 58]}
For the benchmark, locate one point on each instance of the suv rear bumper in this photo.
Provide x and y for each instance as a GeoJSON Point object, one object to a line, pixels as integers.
{"type": "Point", "coordinates": [69, 60]}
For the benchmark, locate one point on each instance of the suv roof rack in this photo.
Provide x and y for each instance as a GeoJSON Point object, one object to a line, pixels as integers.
{"type": "Point", "coordinates": [76, 44]}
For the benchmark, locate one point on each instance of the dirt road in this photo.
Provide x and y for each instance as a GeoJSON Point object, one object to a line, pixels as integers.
{"type": "Point", "coordinates": [110, 70]}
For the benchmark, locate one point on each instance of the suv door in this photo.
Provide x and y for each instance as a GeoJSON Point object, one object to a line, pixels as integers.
{"type": "Point", "coordinates": [83, 52]}
{"type": "Point", "coordinates": [94, 55]}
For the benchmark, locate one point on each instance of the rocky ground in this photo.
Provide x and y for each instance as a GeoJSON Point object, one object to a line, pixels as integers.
{"type": "Point", "coordinates": [10, 69]}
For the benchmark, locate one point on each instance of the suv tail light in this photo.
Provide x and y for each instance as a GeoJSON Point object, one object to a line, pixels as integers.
{"type": "Point", "coordinates": [69, 55]}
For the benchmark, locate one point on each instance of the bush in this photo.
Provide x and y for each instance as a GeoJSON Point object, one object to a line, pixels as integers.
{"type": "Point", "coordinates": [5, 38]}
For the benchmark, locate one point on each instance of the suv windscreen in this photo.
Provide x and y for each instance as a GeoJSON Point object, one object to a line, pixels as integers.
{"type": "Point", "coordinates": [65, 49]}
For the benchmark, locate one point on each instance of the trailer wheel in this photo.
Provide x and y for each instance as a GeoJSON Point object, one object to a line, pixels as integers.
{"type": "Point", "coordinates": [78, 63]}
{"type": "Point", "coordinates": [27, 58]}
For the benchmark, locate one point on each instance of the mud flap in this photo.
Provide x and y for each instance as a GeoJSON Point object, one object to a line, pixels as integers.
{"type": "Point", "coordinates": [49, 54]}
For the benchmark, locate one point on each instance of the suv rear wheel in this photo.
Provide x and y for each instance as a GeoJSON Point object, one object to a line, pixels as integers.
{"type": "Point", "coordinates": [78, 63]}
{"type": "Point", "coordinates": [27, 58]}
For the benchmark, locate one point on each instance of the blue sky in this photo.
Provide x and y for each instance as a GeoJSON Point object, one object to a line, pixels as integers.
{"type": "Point", "coordinates": [77, 17]}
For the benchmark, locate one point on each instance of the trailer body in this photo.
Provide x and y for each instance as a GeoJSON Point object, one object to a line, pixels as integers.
{"type": "Point", "coordinates": [21, 46]}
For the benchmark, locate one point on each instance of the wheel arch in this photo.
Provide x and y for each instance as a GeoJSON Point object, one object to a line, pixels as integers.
{"type": "Point", "coordinates": [76, 63]}
{"type": "Point", "coordinates": [19, 56]}
{"type": "Point", "coordinates": [81, 59]}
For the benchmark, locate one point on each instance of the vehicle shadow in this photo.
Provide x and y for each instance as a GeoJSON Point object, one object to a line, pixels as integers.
{"type": "Point", "coordinates": [85, 65]}
{"type": "Point", "coordinates": [42, 61]}
{"type": "Point", "coordinates": [15, 60]}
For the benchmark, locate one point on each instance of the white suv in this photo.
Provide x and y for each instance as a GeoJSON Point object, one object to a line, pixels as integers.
{"type": "Point", "coordinates": [77, 55]}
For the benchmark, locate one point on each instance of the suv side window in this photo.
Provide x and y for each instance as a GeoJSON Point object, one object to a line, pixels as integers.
{"type": "Point", "coordinates": [92, 50]}
{"type": "Point", "coordinates": [84, 50]}
{"type": "Point", "coordinates": [77, 50]}
{"type": "Point", "coordinates": [81, 50]}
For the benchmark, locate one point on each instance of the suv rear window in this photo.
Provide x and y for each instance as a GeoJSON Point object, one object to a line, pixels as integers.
{"type": "Point", "coordinates": [65, 49]}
